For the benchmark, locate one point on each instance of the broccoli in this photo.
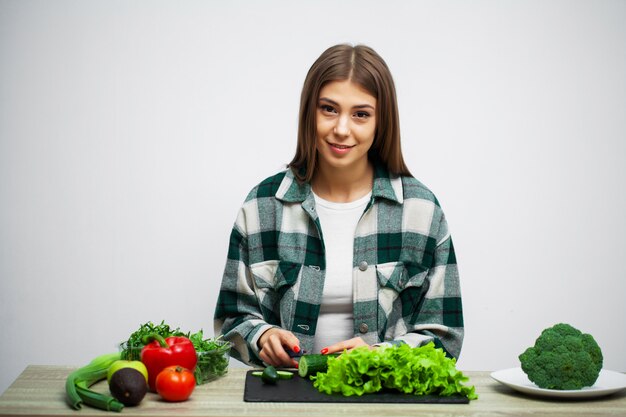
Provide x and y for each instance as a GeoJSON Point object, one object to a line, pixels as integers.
{"type": "Point", "coordinates": [563, 358]}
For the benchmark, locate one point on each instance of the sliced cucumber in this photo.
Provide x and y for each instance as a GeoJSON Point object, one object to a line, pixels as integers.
{"type": "Point", "coordinates": [312, 364]}
{"type": "Point", "coordinates": [281, 374]}
{"type": "Point", "coordinates": [284, 374]}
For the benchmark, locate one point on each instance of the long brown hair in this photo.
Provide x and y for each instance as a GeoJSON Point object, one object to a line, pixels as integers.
{"type": "Point", "coordinates": [363, 66]}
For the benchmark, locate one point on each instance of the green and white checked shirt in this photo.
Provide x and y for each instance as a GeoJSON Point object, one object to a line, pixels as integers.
{"type": "Point", "coordinates": [405, 278]}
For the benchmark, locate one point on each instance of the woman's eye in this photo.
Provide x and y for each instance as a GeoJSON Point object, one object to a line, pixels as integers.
{"type": "Point", "coordinates": [362, 115]}
{"type": "Point", "coordinates": [327, 109]}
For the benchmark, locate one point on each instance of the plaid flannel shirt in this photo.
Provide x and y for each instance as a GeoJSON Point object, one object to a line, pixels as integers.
{"type": "Point", "coordinates": [405, 279]}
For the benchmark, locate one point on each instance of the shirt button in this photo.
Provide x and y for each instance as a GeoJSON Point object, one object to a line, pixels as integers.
{"type": "Point", "coordinates": [363, 266]}
{"type": "Point", "coordinates": [363, 328]}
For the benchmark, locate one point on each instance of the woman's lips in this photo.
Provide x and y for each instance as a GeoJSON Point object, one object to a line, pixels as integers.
{"type": "Point", "coordinates": [340, 149]}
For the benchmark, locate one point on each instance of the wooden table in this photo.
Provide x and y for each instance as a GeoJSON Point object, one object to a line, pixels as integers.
{"type": "Point", "coordinates": [40, 391]}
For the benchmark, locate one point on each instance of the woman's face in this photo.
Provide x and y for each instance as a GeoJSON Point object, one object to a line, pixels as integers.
{"type": "Point", "coordinates": [346, 125]}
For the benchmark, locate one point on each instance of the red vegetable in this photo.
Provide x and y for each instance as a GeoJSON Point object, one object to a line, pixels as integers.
{"type": "Point", "coordinates": [159, 353]}
{"type": "Point", "coordinates": [175, 383]}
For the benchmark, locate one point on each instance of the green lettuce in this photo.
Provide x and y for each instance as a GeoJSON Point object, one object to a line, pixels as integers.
{"type": "Point", "coordinates": [423, 370]}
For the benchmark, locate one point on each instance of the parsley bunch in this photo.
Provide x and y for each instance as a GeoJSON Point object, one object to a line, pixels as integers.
{"type": "Point", "coordinates": [212, 357]}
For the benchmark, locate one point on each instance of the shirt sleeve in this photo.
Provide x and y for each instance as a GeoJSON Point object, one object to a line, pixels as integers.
{"type": "Point", "coordinates": [438, 315]}
{"type": "Point", "coordinates": [238, 316]}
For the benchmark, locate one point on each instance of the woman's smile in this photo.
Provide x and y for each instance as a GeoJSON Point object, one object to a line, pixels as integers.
{"type": "Point", "coordinates": [340, 149]}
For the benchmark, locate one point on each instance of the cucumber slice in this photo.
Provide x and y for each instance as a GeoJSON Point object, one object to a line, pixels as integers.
{"type": "Point", "coordinates": [281, 374]}
{"type": "Point", "coordinates": [284, 374]}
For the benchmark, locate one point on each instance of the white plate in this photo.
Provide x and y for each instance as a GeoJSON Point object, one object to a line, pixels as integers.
{"type": "Point", "coordinates": [608, 382]}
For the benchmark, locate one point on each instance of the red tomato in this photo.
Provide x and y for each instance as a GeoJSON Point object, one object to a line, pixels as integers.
{"type": "Point", "coordinates": [175, 383]}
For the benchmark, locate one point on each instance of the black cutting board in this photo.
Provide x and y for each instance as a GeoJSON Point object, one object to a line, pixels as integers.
{"type": "Point", "coordinates": [301, 390]}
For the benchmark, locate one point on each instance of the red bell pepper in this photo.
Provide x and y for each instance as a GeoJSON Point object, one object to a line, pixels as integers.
{"type": "Point", "coordinates": [159, 353]}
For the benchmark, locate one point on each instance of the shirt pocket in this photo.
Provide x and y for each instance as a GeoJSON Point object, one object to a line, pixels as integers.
{"type": "Point", "coordinates": [273, 282]}
{"type": "Point", "coordinates": [398, 276]}
{"type": "Point", "coordinates": [275, 275]}
{"type": "Point", "coordinates": [401, 286]}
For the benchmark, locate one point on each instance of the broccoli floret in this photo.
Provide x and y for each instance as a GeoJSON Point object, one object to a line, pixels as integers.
{"type": "Point", "coordinates": [563, 358]}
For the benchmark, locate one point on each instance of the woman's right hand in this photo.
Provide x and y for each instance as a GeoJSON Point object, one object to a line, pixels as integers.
{"type": "Point", "coordinates": [272, 344]}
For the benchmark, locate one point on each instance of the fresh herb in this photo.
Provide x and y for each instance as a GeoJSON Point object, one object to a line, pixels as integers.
{"type": "Point", "coordinates": [212, 357]}
{"type": "Point", "coordinates": [131, 349]}
{"type": "Point", "coordinates": [203, 345]}
{"type": "Point", "coordinates": [422, 370]}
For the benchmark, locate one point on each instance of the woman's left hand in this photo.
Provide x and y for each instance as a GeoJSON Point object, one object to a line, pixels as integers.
{"type": "Point", "coordinates": [346, 344]}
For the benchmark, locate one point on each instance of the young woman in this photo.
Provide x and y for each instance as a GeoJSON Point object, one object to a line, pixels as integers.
{"type": "Point", "coordinates": [345, 248]}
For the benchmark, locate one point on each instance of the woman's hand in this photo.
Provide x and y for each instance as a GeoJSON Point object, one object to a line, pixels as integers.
{"type": "Point", "coordinates": [346, 344]}
{"type": "Point", "coordinates": [272, 343]}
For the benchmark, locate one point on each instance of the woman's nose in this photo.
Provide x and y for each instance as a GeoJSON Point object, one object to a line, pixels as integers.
{"type": "Point", "coordinates": [342, 127]}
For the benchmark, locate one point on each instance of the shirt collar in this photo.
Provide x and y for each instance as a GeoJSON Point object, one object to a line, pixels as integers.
{"type": "Point", "coordinates": [385, 186]}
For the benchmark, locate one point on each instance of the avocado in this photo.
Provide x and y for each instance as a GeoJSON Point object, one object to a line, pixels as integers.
{"type": "Point", "coordinates": [128, 386]}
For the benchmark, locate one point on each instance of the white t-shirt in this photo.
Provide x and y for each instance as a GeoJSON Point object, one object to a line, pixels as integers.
{"type": "Point", "coordinates": [338, 221]}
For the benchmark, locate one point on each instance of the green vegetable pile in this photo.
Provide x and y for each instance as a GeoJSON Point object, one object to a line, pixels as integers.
{"type": "Point", "coordinates": [131, 349]}
{"type": "Point", "coordinates": [423, 370]}
{"type": "Point", "coordinates": [212, 353]}
{"type": "Point", "coordinates": [563, 358]}
{"type": "Point", "coordinates": [212, 357]}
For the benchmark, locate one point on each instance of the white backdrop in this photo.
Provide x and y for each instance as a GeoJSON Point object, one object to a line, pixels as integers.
{"type": "Point", "coordinates": [130, 133]}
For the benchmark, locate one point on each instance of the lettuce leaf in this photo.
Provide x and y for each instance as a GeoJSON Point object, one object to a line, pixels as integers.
{"type": "Point", "coordinates": [423, 370]}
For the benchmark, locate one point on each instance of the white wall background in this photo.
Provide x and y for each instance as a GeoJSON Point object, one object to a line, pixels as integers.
{"type": "Point", "coordinates": [130, 133]}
